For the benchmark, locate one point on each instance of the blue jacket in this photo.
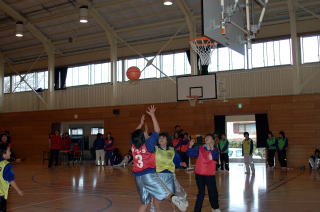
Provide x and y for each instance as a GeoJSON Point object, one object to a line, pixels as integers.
{"type": "Point", "coordinates": [98, 144]}
{"type": "Point", "coordinates": [194, 152]}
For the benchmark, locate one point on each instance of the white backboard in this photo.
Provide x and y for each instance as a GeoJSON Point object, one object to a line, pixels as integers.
{"type": "Point", "coordinates": [204, 86]}
{"type": "Point", "coordinates": [211, 19]}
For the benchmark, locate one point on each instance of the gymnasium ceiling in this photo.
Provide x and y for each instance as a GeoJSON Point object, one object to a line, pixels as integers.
{"type": "Point", "coordinates": [133, 20]}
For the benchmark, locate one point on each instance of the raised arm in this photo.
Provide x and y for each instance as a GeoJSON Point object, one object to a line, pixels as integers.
{"type": "Point", "coordinates": [141, 122]}
{"type": "Point", "coordinates": [151, 111]}
{"type": "Point", "coordinates": [192, 151]}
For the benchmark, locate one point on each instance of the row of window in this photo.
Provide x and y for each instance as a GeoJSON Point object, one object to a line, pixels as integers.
{"type": "Point", "coordinates": [79, 131]}
{"type": "Point", "coordinates": [265, 54]}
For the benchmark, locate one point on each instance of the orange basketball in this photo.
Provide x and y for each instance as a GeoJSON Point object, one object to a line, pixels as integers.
{"type": "Point", "coordinates": [133, 73]}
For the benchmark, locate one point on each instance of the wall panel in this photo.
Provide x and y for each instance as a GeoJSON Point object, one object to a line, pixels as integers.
{"type": "Point", "coordinates": [297, 115]}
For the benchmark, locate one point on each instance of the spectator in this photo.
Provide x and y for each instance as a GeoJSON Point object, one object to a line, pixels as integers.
{"type": "Point", "coordinates": [98, 145]}
{"type": "Point", "coordinates": [271, 149]}
{"type": "Point", "coordinates": [247, 150]}
{"type": "Point", "coordinates": [55, 146]}
{"type": "Point", "coordinates": [109, 142]}
{"type": "Point", "coordinates": [224, 150]}
{"type": "Point", "coordinates": [282, 146]}
{"type": "Point", "coordinates": [116, 156]}
{"type": "Point", "coordinates": [184, 148]}
{"type": "Point", "coordinates": [314, 160]}
{"type": "Point", "coordinates": [7, 133]}
{"type": "Point", "coordinates": [216, 143]}
{"type": "Point", "coordinates": [178, 129]}
{"type": "Point", "coordinates": [127, 159]}
{"type": "Point", "coordinates": [66, 141]}
{"type": "Point", "coordinates": [3, 139]}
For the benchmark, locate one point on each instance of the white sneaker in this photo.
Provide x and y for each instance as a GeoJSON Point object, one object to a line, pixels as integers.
{"type": "Point", "coordinates": [180, 203]}
{"type": "Point", "coordinates": [216, 210]}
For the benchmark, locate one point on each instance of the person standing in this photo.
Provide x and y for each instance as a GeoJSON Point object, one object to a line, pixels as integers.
{"type": "Point", "coordinates": [216, 144]}
{"type": "Point", "coordinates": [223, 146]}
{"type": "Point", "coordinates": [271, 149]}
{"type": "Point", "coordinates": [247, 150]}
{"type": "Point", "coordinates": [282, 146]}
{"type": "Point", "coordinates": [205, 172]}
{"type": "Point", "coordinates": [109, 142]}
{"type": "Point", "coordinates": [55, 146]}
{"type": "Point", "coordinates": [98, 145]}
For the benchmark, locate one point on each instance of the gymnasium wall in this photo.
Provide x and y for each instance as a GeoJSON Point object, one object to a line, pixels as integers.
{"type": "Point", "coordinates": [271, 81]}
{"type": "Point", "coordinates": [298, 115]}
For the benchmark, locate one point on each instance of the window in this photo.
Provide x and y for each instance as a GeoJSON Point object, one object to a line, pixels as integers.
{"type": "Point", "coordinates": [6, 86]}
{"type": "Point", "coordinates": [35, 80]}
{"type": "Point", "coordinates": [310, 49]}
{"type": "Point", "coordinates": [76, 131]}
{"type": "Point", "coordinates": [170, 64]}
{"type": "Point", "coordinates": [89, 74]}
{"type": "Point", "coordinates": [271, 53]}
{"type": "Point", "coordinates": [119, 70]}
{"type": "Point", "coordinates": [240, 128]}
{"type": "Point", "coordinates": [96, 130]}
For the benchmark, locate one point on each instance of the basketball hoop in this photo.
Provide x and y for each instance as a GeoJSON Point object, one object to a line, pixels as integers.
{"type": "Point", "coordinates": [203, 47]}
{"type": "Point", "coordinates": [193, 100]}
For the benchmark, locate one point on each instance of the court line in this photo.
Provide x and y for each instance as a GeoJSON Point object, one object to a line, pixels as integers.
{"type": "Point", "coordinates": [60, 209]}
{"type": "Point", "coordinates": [69, 189]}
{"type": "Point", "coordinates": [38, 203]}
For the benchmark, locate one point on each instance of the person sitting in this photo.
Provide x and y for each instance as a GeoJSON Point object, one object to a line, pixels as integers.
{"type": "Point", "coordinates": [314, 160]}
{"type": "Point", "coordinates": [127, 159]}
{"type": "Point", "coordinates": [116, 156]}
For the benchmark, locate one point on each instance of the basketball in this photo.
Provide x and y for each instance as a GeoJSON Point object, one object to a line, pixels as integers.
{"type": "Point", "coordinates": [133, 73]}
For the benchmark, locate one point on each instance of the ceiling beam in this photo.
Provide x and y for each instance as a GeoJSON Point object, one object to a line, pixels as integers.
{"type": "Point", "coordinates": [101, 34]}
{"type": "Point", "coordinates": [190, 20]}
{"type": "Point", "coordinates": [34, 30]}
{"type": "Point", "coordinates": [307, 10]}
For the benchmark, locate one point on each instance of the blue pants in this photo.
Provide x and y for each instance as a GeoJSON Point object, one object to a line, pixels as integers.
{"type": "Point", "coordinates": [168, 180]}
{"type": "Point", "coordinates": [149, 185]}
{"type": "Point", "coordinates": [109, 154]}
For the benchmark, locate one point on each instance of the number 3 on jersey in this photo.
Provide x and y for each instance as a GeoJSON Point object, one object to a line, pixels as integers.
{"type": "Point", "coordinates": [139, 161]}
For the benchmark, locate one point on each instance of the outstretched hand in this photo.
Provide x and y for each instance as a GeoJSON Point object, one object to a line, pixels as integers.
{"type": "Point", "coordinates": [151, 110]}
{"type": "Point", "coordinates": [142, 119]}
{"type": "Point", "coordinates": [191, 143]}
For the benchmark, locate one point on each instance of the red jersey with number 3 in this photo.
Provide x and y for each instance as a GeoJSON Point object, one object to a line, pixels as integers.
{"type": "Point", "coordinates": [142, 158]}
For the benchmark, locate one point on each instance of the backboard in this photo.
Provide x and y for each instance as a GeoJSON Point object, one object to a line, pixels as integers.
{"type": "Point", "coordinates": [234, 37]}
{"type": "Point", "coordinates": [204, 86]}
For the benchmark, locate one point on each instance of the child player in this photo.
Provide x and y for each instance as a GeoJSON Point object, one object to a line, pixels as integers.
{"type": "Point", "coordinates": [6, 177]}
{"type": "Point", "coordinates": [205, 171]}
{"type": "Point", "coordinates": [167, 160]}
{"type": "Point", "coordinates": [144, 164]}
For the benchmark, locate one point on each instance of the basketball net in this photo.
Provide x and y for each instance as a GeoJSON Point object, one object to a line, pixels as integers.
{"type": "Point", "coordinates": [193, 100]}
{"type": "Point", "coordinates": [203, 46]}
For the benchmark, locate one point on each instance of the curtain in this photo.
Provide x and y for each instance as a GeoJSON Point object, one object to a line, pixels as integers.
{"type": "Point", "coordinates": [262, 127]}
{"type": "Point", "coordinates": [60, 76]}
{"type": "Point", "coordinates": [220, 124]}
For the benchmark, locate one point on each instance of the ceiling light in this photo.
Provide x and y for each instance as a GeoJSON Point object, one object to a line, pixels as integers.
{"type": "Point", "coordinates": [84, 14]}
{"type": "Point", "coordinates": [19, 29]}
{"type": "Point", "coordinates": [167, 2]}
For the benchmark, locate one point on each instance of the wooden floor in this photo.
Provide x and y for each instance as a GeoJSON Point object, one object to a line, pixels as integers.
{"type": "Point", "coordinates": [88, 188]}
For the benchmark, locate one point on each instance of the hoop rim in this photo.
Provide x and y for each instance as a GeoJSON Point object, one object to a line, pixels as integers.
{"type": "Point", "coordinates": [209, 40]}
{"type": "Point", "coordinates": [193, 97]}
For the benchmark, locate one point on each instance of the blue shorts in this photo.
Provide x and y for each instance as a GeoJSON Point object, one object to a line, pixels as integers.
{"type": "Point", "coordinates": [149, 185]}
{"type": "Point", "coordinates": [168, 180]}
